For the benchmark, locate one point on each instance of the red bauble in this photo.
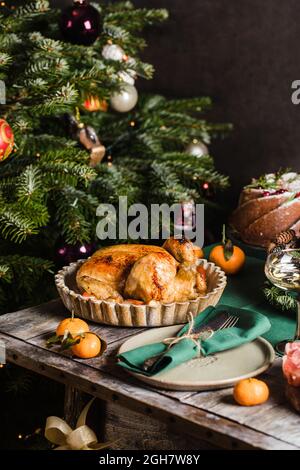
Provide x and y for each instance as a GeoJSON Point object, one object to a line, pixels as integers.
{"type": "Point", "coordinates": [80, 23]}
{"type": "Point", "coordinates": [6, 139]}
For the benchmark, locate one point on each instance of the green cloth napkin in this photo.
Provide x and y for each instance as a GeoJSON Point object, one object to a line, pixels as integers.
{"type": "Point", "coordinates": [244, 290]}
{"type": "Point", "coordinates": [249, 326]}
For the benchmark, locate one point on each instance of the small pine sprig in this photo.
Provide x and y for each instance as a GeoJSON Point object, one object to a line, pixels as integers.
{"type": "Point", "coordinates": [279, 298]}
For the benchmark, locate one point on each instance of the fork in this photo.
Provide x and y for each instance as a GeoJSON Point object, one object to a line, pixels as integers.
{"type": "Point", "coordinates": [230, 322]}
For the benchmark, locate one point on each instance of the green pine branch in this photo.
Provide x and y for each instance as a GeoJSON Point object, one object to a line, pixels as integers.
{"type": "Point", "coordinates": [166, 187]}
{"type": "Point", "coordinates": [115, 181]}
{"type": "Point", "coordinates": [135, 20]}
{"type": "Point", "coordinates": [48, 191]}
{"type": "Point", "coordinates": [23, 274]}
{"type": "Point", "coordinates": [75, 214]}
{"type": "Point", "coordinates": [279, 298]}
{"type": "Point", "coordinates": [16, 226]}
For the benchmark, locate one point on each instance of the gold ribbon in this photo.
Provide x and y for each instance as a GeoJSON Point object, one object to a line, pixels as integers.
{"type": "Point", "coordinates": [195, 337]}
{"type": "Point", "coordinates": [58, 432]}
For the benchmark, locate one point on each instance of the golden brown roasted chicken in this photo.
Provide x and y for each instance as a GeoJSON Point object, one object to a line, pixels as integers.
{"type": "Point", "coordinates": [144, 273]}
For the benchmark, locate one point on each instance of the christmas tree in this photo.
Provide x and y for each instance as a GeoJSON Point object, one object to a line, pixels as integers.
{"type": "Point", "coordinates": [83, 136]}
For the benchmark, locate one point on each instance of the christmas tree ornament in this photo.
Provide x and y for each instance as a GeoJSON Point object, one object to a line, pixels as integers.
{"type": "Point", "coordinates": [124, 100]}
{"type": "Point", "coordinates": [131, 62]}
{"type": "Point", "coordinates": [113, 52]}
{"type": "Point", "coordinates": [6, 140]}
{"type": "Point", "coordinates": [80, 23]}
{"type": "Point", "coordinates": [88, 137]}
{"type": "Point", "coordinates": [186, 219]}
{"type": "Point", "coordinates": [197, 148]}
{"type": "Point", "coordinates": [93, 103]}
{"type": "Point", "coordinates": [66, 253]}
{"type": "Point", "coordinates": [127, 77]}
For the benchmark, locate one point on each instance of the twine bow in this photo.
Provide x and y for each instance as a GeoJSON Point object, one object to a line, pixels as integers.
{"type": "Point", "coordinates": [195, 337]}
{"type": "Point", "coordinates": [58, 432]}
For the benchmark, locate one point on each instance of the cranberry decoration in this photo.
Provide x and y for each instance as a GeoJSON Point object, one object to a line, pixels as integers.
{"type": "Point", "coordinates": [274, 193]}
{"type": "Point", "coordinates": [281, 191]}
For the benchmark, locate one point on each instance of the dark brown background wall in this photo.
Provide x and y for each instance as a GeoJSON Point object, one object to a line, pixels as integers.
{"type": "Point", "coordinates": [245, 55]}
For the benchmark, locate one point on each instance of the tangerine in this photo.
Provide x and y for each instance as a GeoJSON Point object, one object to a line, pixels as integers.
{"type": "Point", "coordinates": [251, 392]}
{"type": "Point", "coordinates": [231, 265]}
{"type": "Point", "coordinates": [88, 346]}
{"type": "Point", "coordinates": [72, 326]}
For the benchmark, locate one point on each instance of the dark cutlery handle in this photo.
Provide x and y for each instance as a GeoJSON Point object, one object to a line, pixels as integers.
{"type": "Point", "coordinates": [149, 363]}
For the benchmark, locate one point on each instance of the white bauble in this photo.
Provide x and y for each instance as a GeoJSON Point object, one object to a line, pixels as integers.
{"type": "Point", "coordinates": [113, 52]}
{"type": "Point", "coordinates": [131, 62]}
{"type": "Point", "coordinates": [124, 100]}
{"type": "Point", "coordinates": [127, 77]}
{"type": "Point", "coordinates": [197, 148]}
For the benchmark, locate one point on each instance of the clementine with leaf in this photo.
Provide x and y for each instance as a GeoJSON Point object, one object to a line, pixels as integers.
{"type": "Point", "coordinates": [227, 256]}
{"type": "Point", "coordinates": [72, 326]}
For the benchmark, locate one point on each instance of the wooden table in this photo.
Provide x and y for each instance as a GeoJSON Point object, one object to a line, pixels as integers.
{"type": "Point", "coordinates": [142, 417]}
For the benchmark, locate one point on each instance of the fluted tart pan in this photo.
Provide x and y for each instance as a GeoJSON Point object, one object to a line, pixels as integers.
{"type": "Point", "coordinates": [124, 314]}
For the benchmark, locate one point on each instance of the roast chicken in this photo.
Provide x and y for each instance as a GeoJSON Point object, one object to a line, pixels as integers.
{"type": "Point", "coordinates": [144, 273]}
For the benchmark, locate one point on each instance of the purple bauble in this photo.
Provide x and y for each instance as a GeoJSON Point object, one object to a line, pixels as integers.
{"type": "Point", "coordinates": [67, 254]}
{"type": "Point", "coordinates": [80, 23]}
{"type": "Point", "coordinates": [186, 220]}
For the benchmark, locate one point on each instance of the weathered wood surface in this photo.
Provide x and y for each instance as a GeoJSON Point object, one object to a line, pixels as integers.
{"type": "Point", "coordinates": [75, 401]}
{"type": "Point", "coordinates": [120, 425]}
{"type": "Point", "coordinates": [207, 416]}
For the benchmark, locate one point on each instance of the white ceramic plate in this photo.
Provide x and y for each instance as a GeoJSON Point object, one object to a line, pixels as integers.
{"type": "Point", "coordinates": [220, 370]}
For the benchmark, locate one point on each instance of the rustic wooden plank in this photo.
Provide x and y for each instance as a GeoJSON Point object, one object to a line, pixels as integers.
{"type": "Point", "coordinates": [119, 426]}
{"type": "Point", "coordinates": [107, 361]}
{"type": "Point", "coordinates": [109, 334]}
{"type": "Point", "coordinates": [43, 320]}
{"type": "Point", "coordinates": [74, 402]}
{"type": "Point", "coordinates": [274, 418]}
{"type": "Point", "coordinates": [283, 422]}
{"type": "Point", "coordinates": [196, 422]}
{"type": "Point", "coordinates": [222, 403]}
{"type": "Point", "coordinates": [33, 321]}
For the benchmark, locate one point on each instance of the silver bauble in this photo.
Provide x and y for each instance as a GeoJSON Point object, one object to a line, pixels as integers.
{"type": "Point", "coordinates": [113, 52]}
{"type": "Point", "coordinates": [127, 77]}
{"type": "Point", "coordinates": [124, 100]}
{"type": "Point", "coordinates": [197, 148]}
